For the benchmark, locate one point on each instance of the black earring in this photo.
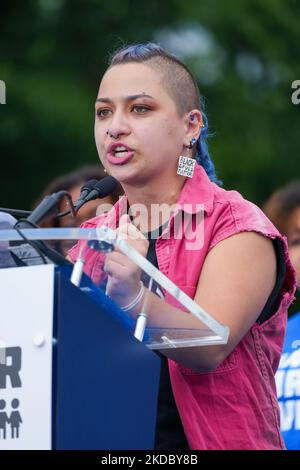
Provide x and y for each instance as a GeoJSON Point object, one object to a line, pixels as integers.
{"type": "Point", "coordinates": [192, 143]}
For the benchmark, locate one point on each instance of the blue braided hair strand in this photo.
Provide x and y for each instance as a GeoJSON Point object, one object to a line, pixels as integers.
{"type": "Point", "coordinates": [202, 154]}
{"type": "Point", "coordinates": [145, 52]}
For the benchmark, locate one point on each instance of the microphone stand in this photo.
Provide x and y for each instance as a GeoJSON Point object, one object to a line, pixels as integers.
{"type": "Point", "coordinates": [47, 206]}
{"type": "Point", "coordinates": [15, 212]}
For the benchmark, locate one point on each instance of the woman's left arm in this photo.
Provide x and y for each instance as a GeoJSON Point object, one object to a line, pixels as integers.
{"type": "Point", "coordinates": [236, 279]}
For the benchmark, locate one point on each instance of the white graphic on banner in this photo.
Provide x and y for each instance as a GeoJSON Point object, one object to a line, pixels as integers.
{"type": "Point", "coordinates": [26, 299]}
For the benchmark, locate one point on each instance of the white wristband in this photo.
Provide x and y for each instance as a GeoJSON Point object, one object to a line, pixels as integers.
{"type": "Point", "coordinates": [136, 300]}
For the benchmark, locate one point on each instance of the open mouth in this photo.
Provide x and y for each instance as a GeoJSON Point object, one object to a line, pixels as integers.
{"type": "Point", "coordinates": [119, 155]}
{"type": "Point", "coordinates": [120, 151]}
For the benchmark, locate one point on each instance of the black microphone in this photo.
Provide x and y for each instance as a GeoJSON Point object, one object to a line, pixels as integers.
{"type": "Point", "coordinates": [49, 205]}
{"type": "Point", "coordinates": [86, 189]}
{"type": "Point", "coordinates": [103, 188]}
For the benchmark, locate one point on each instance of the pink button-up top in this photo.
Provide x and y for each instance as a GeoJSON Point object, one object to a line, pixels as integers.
{"type": "Point", "coordinates": [234, 406]}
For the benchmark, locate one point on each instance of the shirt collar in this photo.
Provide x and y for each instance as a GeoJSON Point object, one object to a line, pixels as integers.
{"type": "Point", "coordinates": [196, 195]}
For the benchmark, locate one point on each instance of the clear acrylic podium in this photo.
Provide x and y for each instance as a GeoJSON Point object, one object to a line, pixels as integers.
{"type": "Point", "coordinates": [86, 381]}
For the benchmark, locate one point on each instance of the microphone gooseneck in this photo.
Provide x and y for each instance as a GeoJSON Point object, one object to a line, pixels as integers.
{"type": "Point", "coordinates": [49, 205]}
{"type": "Point", "coordinates": [101, 189]}
{"type": "Point", "coordinates": [86, 189]}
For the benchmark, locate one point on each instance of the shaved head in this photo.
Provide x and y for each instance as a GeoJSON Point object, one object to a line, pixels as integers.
{"type": "Point", "coordinates": [176, 79]}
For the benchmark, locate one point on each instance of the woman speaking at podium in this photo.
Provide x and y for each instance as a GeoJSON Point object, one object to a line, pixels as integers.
{"type": "Point", "coordinates": [150, 132]}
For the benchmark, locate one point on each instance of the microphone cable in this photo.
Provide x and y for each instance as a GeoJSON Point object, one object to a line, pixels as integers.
{"type": "Point", "coordinates": [32, 243]}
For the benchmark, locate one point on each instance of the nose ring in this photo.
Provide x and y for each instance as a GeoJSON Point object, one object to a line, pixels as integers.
{"type": "Point", "coordinates": [112, 135]}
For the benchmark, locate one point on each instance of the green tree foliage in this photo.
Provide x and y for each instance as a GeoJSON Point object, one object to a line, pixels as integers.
{"type": "Point", "coordinates": [256, 125]}
{"type": "Point", "coordinates": [245, 54]}
{"type": "Point", "coordinates": [53, 53]}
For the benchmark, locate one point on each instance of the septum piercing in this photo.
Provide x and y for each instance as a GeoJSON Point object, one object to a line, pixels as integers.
{"type": "Point", "coordinates": [112, 135]}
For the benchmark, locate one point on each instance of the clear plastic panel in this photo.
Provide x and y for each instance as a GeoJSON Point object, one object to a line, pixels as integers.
{"type": "Point", "coordinates": [198, 327]}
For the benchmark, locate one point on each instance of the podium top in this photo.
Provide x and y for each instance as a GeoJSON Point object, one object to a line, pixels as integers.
{"type": "Point", "coordinates": [73, 233]}
{"type": "Point", "coordinates": [207, 330]}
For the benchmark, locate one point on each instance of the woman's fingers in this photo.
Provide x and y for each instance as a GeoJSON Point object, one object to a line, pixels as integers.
{"type": "Point", "coordinates": [123, 280]}
{"type": "Point", "coordinates": [116, 270]}
{"type": "Point", "coordinates": [123, 274]}
{"type": "Point", "coordinates": [120, 259]}
{"type": "Point", "coordinates": [127, 228]}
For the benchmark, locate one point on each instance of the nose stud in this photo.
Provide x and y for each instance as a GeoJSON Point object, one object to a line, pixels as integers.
{"type": "Point", "coordinates": [112, 136]}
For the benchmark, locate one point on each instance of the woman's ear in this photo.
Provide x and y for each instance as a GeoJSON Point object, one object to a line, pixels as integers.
{"type": "Point", "coordinates": [194, 124]}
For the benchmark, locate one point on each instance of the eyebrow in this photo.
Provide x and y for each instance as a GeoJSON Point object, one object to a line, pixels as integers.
{"type": "Point", "coordinates": [127, 99]}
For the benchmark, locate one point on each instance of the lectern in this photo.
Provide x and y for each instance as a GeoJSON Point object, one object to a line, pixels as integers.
{"type": "Point", "coordinates": [79, 377]}
{"type": "Point", "coordinates": [72, 374]}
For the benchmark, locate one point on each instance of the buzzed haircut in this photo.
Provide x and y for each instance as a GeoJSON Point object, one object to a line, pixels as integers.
{"type": "Point", "coordinates": [176, 78]}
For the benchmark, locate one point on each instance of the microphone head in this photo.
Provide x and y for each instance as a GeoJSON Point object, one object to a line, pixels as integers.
{"type": "Point", "coordinates": [85, 191]}
{"type": "Point", "coordinates": [102, 188]}
{"type": "Point", "coordinates": [88, 186]}
{"type": "Point", "coordinates": [105, 186]}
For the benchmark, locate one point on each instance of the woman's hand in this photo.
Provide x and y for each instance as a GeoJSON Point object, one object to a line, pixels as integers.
{"type": "Point", "coordinates": [124, 275]}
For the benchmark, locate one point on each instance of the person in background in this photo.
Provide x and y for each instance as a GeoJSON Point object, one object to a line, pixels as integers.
{"type": "Point", "coordinates": [283, 209]}
{"type": "Point", "coordinates": [72, 182]}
